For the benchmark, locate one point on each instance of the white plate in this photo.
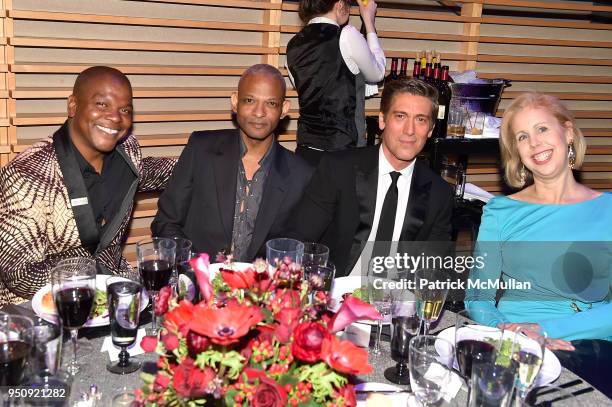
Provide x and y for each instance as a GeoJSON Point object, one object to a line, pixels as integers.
{"type": "Point", "coordinates": [101, 320]}
{"type": "Point", "coordinates": [397, 400]}
{"type": "Point", "coordinates": [551, 367]}
{"type": "Point", "coordinates": [343, 285]}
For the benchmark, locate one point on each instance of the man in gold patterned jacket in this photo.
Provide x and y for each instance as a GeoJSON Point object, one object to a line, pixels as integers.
{"type": "Point", "coordinates": [73, 194]}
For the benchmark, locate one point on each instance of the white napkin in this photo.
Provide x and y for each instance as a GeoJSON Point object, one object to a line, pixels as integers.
{"type": "Point", "coordinates": [473, 192]}
{"type": "Point", "coordinates": [358, 333]}
{"type": "Point", "coordinates": [113, 351]}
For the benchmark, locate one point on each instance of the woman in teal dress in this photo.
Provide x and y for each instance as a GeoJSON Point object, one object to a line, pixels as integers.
{"type": "Point", "coordinates": [551, 242]}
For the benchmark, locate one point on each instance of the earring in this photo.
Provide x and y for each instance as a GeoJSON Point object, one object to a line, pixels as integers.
{"type": "Point", "coordinates": [522, 176]}
{"type": "Point", "coordinates": [571, 154]}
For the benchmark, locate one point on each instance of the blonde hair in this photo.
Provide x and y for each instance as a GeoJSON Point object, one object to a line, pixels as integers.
{"type": "Point", "coordinates": [511, 161]}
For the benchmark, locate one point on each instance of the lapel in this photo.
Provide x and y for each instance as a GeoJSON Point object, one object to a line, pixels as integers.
{"type": "Point", "coordinates": [225, 171]}
{"type": "Point", "coordinates": [366, 184]}
{"type": "Point", "coordinates": [128, 200]}
{"type": "Point", "coordinates": [275, 189]}
{"type": "Point", "coordinates": [77, 191]}
{"type": "Point", "coordinates": [418, 198]}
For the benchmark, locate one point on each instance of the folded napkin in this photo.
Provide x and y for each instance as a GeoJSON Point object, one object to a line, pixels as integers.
{"type": "Point", "coordinates": [113, 351]}
{"type": "Point", "coordinates": [473, 192]}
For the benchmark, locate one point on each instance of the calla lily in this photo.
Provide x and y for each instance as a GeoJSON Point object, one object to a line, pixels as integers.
{"type": "Point", "coordinates": [200, 265]}
{"type": "Point", "coordinates": [351, 310]}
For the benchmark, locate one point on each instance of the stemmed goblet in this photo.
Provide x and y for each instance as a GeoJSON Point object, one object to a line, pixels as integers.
{"type": "Point", "coordinates": [124, 298]}
{"type": "Point", "coordinates": [155, 264]}
{"type": "Point", "coordinates": [73, 284]}
{"type": "Point", "coordinates": [405, 326]}
{"type": "Point", "coordinates": [528, 356]}
{"type": "Point", "coordinates": [430, 290]}
{"type": "Point", "coordinates": [380, 296]}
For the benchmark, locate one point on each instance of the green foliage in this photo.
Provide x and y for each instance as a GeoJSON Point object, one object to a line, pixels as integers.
{"type": "Point", "coordinates": [230, 363]}
{"type": "Point", "coordinates": [323, 380]}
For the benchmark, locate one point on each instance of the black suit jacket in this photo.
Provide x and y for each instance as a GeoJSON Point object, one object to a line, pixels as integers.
{"type": "Point", "coordinates": [199, 202]}
{"type": "Point", "coordinates": [339, 203]}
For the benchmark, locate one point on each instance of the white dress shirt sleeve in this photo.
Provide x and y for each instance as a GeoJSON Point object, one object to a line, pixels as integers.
{"type": "Point", "coordinates": [362, 56]}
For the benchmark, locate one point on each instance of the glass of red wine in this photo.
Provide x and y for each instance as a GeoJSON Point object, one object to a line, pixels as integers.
{"type": "Point", "coordinates": [16, 341]}
{"type": "Point", "coordinates": [123, 299]}
{"type": "Point", "coordinates": [405, 325]}
{"type": "Point", "coordinates": [155, 264]}
{"type": "Point", "coordinates": [73, 284]}
{"type": "Point", "coordinates": [475, 343]}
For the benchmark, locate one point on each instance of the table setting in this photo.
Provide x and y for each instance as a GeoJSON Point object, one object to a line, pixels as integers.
{"type": "Point", "coordinates": [280, 331]}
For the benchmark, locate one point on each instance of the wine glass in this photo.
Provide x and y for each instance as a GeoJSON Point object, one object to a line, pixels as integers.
{"type": "Point", "coordinates": [124, 298]}
{"type": "Point", "coordinates": [16, 341]}
{"type": "Point", "coordinates": [155, 264]}
{"type": "Point", "coordinates": [380, 296]}
{"type": "Point", "coordinates": [431, 288]}
{"type": "Point", "coordinates": [315, 254]}
{"type": "Point", "coordinates": [492, 382]}
{"type": "Point", "coordinates": [475, 343]}
{"type": "Point", "coordinates": [431, 359]}
{"type": "Point", "coordinates": [320, 279]}
{"type": "Point", "coordinates": [405, 325]}
{"type": "Point", "coordinates": [528, 356]}
{"type": "Point", "coordinates": [73, 284]}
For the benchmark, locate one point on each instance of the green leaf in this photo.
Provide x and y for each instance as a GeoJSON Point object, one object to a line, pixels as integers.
{"type": "Point", "coordinates": [147, 377]}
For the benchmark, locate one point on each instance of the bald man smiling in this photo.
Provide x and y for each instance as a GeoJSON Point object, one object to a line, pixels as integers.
{"type": "Point", "coordinates": [73, 194]}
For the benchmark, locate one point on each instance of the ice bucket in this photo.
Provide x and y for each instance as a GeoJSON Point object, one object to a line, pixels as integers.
{"type": "Point", "coordinates": [480, 97]}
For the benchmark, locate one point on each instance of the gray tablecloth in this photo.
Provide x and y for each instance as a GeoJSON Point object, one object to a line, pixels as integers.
{"type": "Point", "coordinates": [94, 371]}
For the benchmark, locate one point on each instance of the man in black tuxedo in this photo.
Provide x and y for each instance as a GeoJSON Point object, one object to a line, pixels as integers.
{"type": "Point", "coordinates": [232, 190]}
{"type": "Point", "coordinates": [380, 193]}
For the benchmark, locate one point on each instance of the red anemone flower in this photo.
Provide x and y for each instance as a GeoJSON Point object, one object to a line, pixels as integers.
{"type": "Point", "coordinates": [227, 325]}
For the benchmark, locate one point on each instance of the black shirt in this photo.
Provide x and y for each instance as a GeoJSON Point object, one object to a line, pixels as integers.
{"type": "Point", "coordinates": [105, 191]}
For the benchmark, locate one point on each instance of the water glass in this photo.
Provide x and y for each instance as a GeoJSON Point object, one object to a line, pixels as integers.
{"type": "Point", "coordinates": [456, 120]}
{"type": "Point", "coordinates": [380, 295]}
{"type": "Point", "coordinates": [320, 278]}
{"type": "Point", "coordinates": [124, 298]}
{"type": "Point", "coordinates": [404, 326]}
{"type": "Point", "coordinates": [430, 294]}
{"type": "Point", "coordinates": [315, 255]}
{"type": "Point", "coordinates": [16, 341]}
{"type": "Point", "coordinates": [491, 384]}
{"type": "Point", "coordinates": [155, 263]}
{"type": "Point", "coordinates": [431, 359]}
{"type": "Point", "coordinates": [183, 276]}
{"type": "Point", "coordinates": [284, 249]}
{"type": "Point", "coordinates": [47, 349]}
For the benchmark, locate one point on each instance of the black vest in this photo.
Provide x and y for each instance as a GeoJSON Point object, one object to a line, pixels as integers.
{"type": "Point", "coordinates": [327, 89]}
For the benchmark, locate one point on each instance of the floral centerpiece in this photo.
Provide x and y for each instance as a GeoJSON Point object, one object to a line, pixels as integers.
{"type": "Point", "coordinates": [254, 340]}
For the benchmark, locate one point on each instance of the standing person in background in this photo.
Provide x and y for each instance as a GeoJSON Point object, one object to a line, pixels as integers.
{"type": "Point", "coordinates": [331, 67]}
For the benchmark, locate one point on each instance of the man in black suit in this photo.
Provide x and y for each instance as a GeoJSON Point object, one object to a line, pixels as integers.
{"type": "Point", "coordinates": [232, 190]}
{"type": "Point", "coordinates": [380, 193]}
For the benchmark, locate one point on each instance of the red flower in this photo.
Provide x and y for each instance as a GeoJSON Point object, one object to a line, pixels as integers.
{"type": "Point", "coordinates": [196, 343]}
{"type": "Point", "coordinates": [226, 325]}
{"type": "Point", "coordinates": [190, 381]}
{"type": "Point", "coordinates": [177, 320]}
{"type": "Point", "coordinates": [170, 341]}
{"type": "Point", "coordinates": [148, 343]}
{"type": "Point", "coordinates": [161, 382]}
{"type": "Point", "coordinates": [269, 394]}
{"type": "Point", "coordinates": [239, 280]}
{"type": "Point", "coordinates": [200, 265]}
{"type": "Point", "coordinates": [348, 393]}
{"type": "Point", "coordinates": [307, 340]}
{"type": "Point", "coordinates": [351, 310]}
{"type": "Point", "coordinates": [284, 298]}
{"type": "Point", "coordinates": [288, 319]}
{"type": "Point", "coordinates": [162, 300]}
{"type": "Point", "coordinates": [345, 357]}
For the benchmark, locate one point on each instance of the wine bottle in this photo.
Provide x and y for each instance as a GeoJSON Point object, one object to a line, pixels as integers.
{"type": "Point", "coordinates": [416, 69]}
{"type": "Point", "coordinates": [444, 98]}
{"type": "Point", "coordinates": [404, 69]}
{"type": "Point", "coordinates": [428, 77]}
{"type": "Point", "coordinates": [393, 73]}
{"type": "Point", "coordinates": [423, 64]}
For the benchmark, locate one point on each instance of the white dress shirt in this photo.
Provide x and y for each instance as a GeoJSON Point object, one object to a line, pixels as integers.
{"type": "Point", "coordinates": [358, 54]}
{"type": "Point", "coordinates": [403, 191]}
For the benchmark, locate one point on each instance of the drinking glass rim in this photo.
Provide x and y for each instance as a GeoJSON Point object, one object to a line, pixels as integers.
{"type": "Point", "coordinates": [299, 244]}
{"type": "Point", "coordinates": [150, 240]}
{"type": "Point", "coordinates": [318, 246]}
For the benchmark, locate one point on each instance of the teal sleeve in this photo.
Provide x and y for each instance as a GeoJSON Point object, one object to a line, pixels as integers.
{"type": "Point", "coordinates": [594, 323]}
{"type": "Point", "coordinates": [488, 249]}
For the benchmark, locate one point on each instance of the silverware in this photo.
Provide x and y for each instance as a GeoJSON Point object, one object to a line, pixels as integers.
{"type": "Point", "coordinates": [382, 391]}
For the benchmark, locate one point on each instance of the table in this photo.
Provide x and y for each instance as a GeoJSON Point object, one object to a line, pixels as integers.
{"type": "Point", "coordinates": [93, 367]}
